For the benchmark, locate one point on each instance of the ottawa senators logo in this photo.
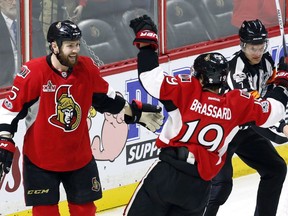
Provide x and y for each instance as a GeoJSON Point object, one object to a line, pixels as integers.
{"type": "Point", "coordinates": [96, 186]}
{"type": "Point", "coordinates": [68, 113]}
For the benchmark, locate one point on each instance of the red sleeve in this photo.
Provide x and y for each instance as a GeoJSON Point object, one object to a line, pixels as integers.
{"type": "Point", "coordinates": [247, 109]}
{"type": "Point", "coordinates": [26, 87]}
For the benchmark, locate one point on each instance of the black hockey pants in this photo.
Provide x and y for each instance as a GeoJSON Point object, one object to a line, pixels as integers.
{"type": "Point", "coordinates": [258, 153]}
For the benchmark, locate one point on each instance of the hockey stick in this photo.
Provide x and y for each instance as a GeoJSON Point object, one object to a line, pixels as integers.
{"type": "Point", "coordinates": [1, 171]}
{"type": "Point", "coordinates": [271, 135]}
{"type": "Point", "coordinates": [281, 26]}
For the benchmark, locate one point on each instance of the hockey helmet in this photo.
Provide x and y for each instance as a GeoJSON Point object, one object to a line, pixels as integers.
{"type": "Point", "coordinates": [212, 68]}
{"type": "Point", "coordinates": [63, 31]}
{"type": "Point", "coordinates": [253, 32]}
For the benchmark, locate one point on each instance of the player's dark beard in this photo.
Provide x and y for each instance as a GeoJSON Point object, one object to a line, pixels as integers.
{"type": "Point", "coordinates": [64, 60]}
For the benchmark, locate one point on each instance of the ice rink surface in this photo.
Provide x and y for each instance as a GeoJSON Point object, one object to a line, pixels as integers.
{"type": "Point", "coordinates": [241, 201]}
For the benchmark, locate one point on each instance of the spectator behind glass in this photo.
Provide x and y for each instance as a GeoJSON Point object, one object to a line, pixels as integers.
{"type": "Point", "coordinates": [8, 42]}
{"type": "Point", "coordinates": [74, 8]}
{"type": "Point", "coordinates": [8, 48]}
{"type": "Point", "coordinates": [264, 10]}
{"type": "Point", "coordinates": [38, 37]}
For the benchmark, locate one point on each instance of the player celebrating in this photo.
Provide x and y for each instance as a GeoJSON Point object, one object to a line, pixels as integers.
{"type": "Point", "coordinates": [201, 123]}
{"type": "Point", "coordinates": [251, 69]}
{"type": "Point", "coordinates": [55, 93]}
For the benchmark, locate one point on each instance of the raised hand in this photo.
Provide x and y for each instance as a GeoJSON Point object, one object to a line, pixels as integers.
{"type": "Point", "coordinates": [145, 30]}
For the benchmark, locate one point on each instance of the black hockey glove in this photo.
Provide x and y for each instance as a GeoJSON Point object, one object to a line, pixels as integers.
{"type": "Point", "coordinates": [145, 31]}
{"type": "Point", "coordinates": [7, 149]}
{"type": "Point", "coordinates": [283, 66]}
{"type": "Point", "coordinates": [146, 115]}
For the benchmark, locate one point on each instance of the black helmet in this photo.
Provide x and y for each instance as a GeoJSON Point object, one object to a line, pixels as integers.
{"type": "Point", "coordinates": [63, 31]}
{"type": "Point", "coordinates": [253, 32]}
{"type": "Point", "coordinates": [212, 67]}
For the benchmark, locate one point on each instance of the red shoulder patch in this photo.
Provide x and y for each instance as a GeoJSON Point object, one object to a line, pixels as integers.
{"type": "Point", "coordinates": [24, 71]}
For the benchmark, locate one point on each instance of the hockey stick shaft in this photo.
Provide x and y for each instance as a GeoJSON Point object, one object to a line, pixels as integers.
{"type": "Point", "coordinates": [281, 26]}
{"type": "Point", "coordinates": [1, 172]}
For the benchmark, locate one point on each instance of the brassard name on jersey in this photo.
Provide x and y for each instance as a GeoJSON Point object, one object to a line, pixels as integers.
{"type": "Point", "coordinates": [211, 110]}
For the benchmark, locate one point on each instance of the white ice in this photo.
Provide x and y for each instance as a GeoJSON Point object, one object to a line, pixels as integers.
{"type": "Point", "coordinates": [241, 202]}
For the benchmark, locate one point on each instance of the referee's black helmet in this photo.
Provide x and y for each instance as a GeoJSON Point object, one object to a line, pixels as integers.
{"type": "Point", "coordinates": [253, 31]}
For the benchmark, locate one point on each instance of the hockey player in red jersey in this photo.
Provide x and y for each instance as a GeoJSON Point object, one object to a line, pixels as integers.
{"type": "Point", "coordinates": [55, 93]}
{"type": "Point", "coordinates": [201, 122]}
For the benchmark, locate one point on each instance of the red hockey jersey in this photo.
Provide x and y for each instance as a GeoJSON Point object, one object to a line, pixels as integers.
{"type": "Point", "coordinates": [56, 107]}
{"type": "Point", "coordinates": [203, 121]}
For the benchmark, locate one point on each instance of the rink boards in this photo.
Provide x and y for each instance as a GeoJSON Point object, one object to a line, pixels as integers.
{"type": "Point", "coordinates": [123, 154]}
